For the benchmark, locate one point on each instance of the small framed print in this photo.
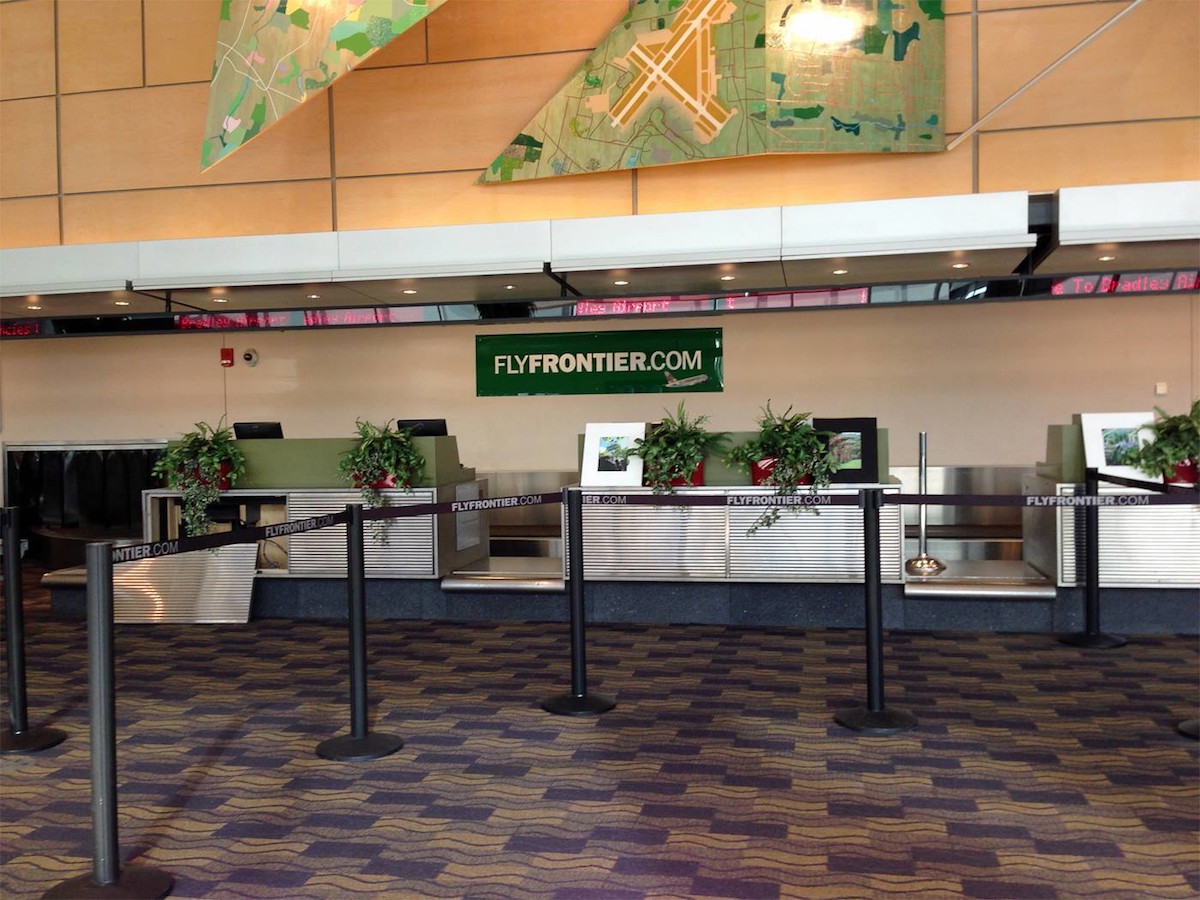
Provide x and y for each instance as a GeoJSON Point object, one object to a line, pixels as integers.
{"type": "Point", "coordinates": [1108, 439]}
{"type": "Point", "coordinates": [606, 454]}
{"type": "Point", "coordinates": [854, 443]}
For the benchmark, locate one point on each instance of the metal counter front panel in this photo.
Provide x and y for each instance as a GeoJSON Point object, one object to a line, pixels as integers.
{"type": "Point", "coordinates": [202, 587]}
{"type": "Point", "coordinates": [1140, 546]}
{"type": "Point", "coordinates": [710, 543]}
{"type": "Point", "coordinates": [396, 548]}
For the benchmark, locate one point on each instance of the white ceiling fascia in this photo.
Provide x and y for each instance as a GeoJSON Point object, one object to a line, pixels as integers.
{"type": "Point", "coordinates": [226, 261]}
{"type": "Point", "coordinates": [502, 248]}
{"type": "Point", "coordinates": [1157, 211]}
{"type": "Point", "coordinates": [666, 239]}
{"type": "Point", "coordinates": [920, 225]}
{"type": "Point", "coordinates": [67, 269]}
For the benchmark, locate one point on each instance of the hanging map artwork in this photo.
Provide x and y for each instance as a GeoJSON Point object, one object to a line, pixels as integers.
{"type": "Point", "coordinates": [273, 54]}
{"type": "Point", "coordinates": [681, 81]}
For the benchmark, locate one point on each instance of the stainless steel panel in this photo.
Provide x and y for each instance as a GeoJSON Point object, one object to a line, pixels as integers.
{"type": "Point", "coordinates": [205, 586]}
{"type": "Point", "coordinates": [665, 543]}
{"type": "Point", "coordinates": [394, 548]}
{"type": "Point", "coordinates": [1140, 546]}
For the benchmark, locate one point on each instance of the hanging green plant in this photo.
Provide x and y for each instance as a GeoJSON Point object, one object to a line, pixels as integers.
{"type": "Point", "coordinates": [200, 465]}
{"type": "Point", "coordinates": [787, 452]}
{"type": "Point", "coordinates": [385, 457]}
{"type": "Point", "coordinates": [673, 450]}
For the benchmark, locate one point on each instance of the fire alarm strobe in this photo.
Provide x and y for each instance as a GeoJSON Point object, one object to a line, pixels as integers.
{"type": "Point", "coordinates": [226, 357]}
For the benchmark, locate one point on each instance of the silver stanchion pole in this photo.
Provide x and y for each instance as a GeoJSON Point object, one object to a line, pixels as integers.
{"type": "Point", "coordinates": [923, 564]}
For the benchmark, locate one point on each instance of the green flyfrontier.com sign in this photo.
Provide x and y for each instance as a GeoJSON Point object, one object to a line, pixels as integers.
{"type": "Point", "coordinates": [599, 362]}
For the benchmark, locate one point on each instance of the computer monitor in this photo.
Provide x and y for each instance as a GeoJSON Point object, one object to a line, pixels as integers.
{"type": "Point", "coordinates": [424, 427]}
{"type": "Point", "coordinates": [253, 431]}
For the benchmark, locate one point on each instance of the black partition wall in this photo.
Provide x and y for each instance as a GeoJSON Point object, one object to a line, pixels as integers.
{"type": "Point", "coordinates": [67, 496]}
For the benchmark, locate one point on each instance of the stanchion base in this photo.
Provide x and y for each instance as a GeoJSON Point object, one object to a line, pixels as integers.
{"type": "Point", "coordinates": [31, 741]}
{"type": "Point", "coordinates": [582, 705]}
{"type": "Point", "coordinates": [1190, 728]}
{"type": "Point", "coordinates": [348, 748]}
{"type": "Point", "coordinates": [1093, 641]}
{"type": "Point", "coordinates": [886, 721]}
{"type": "Point", "coordinates": [133, 883]}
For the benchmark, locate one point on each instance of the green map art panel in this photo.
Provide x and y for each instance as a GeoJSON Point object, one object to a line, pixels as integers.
{"type": "Point", "coordinates": [273, 54]}
{"type": "Point", "coordinates": [680, 81]}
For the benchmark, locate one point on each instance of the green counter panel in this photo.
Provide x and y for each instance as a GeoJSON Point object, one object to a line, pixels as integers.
{"type": "Point", "coordinates": [312, 462]}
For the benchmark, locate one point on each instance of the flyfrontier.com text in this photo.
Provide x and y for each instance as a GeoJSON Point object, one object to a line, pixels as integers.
{"type": "Point", "coordinates": [619, 361]}
{"type": "Point", "coordinates": [1106, 500]}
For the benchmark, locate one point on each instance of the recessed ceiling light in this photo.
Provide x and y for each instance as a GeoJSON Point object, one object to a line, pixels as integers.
{"type": "Point", "coordinates": [620, 283]}
{"type": "Point", "coordinates": [960, 265]}
{"type": "Point", "coordinates": [220, 299]}
{"type": "Point", "coordinates": [409, 291]}
{"type": "Point", "coordinates": [1106, 258]}
{"type": "Point", "coordinates": [510, 287]}
{"type": "Point", "coordinates": [313, 297]}
{"type": "Point", "coordinates": [841, 271]}
{"type": "Point", "coordinates": [728, 277]}
{"type": "Point", "coordinates": [33, 307]}
{"type": "Point", "coordinates": [121, 302]}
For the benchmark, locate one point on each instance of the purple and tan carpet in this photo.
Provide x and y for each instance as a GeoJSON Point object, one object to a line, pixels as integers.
{"type": "Point", "coordinates": [1037, 770]}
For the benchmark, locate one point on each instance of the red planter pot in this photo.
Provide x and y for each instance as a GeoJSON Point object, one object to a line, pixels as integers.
{"type": "Point", "coordinates": [1186, 472]}
{"type": "Point", "coordinates": [388, 481]}
{"type": "Point", "coordinates": [696, 479]}
{"type": "Point", "coordinates": [761, 471]}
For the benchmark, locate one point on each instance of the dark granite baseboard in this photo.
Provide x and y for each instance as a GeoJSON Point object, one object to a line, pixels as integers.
{"type": "Point", "coordinates": [1123, 610]}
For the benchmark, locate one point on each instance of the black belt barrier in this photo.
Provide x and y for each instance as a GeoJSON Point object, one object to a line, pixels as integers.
{"type": "Point", "coordinates": [358, 745]}
{"type": "Point", "coordinates": [108, 879]}
{"type": "Point", "coordinates": [578, 702]}
{"type": "Point", "coordinates": [19, 738]}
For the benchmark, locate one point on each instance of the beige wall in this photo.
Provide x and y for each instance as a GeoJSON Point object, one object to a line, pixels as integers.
{"type": "Point", "coordinates": [984, 381]}
{"type": "Point", "coordinates": [102, 102]}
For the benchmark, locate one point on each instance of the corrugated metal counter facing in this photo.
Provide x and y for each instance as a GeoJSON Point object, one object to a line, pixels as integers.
{"type": "Point", "coordinates": [712, 543]}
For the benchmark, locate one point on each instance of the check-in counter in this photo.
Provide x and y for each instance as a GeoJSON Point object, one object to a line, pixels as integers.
{"type": "Point", "coordinates": [1140, 546]}
{"type": "Point", "coordinates": [714, 543]}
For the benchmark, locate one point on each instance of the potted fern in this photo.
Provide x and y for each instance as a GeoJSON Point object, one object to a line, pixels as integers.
{"type": "Point", "coordinates": [200, 465]}
{"type": "Point", "coordinates": [786, 453]}
{"type": "Point", "coordinates": [673, 451]}
{"type": "Point", "coordinates": [1175, 446]}
{"type": "Point", "coordinates": [385, 457]}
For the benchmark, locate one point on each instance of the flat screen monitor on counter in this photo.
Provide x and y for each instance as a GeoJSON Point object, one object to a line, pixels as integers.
{"type": "Point", "coordinates": [424, 427]}
{"type": "Point", "coordinates": [246, 431]}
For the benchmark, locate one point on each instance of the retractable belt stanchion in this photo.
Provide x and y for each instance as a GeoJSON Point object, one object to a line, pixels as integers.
{"type": "Point", "coordinates": [874, 718]}
{"type": "Point", "coordinates": [19, 738]}
{"type": "Point", "coordinates": [108, 879]}
{"type": "Point", "coordinates": [1091, 637]}
{"type": "Point", "coordinates": [358, 746]}
{"type": "Point", "coordinates": [578, 702]}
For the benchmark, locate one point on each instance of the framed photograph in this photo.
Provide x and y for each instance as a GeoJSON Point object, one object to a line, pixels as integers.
{"type": "Point", "coordinates": [606, 462]}
{"type": "Point", "coordinates": [1108, 438]}
{"type": "Point", "coordinates": [854, 443]}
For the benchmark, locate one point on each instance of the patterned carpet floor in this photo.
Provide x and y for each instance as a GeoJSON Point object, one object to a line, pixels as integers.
{"type": "Point", "coordinates": [1037, 770]}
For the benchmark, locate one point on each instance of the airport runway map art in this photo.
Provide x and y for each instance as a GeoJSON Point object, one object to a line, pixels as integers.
{"type": "Point", "coordinates": [681, 81]}
{"type": "Point", "coordinates": [272, 55]}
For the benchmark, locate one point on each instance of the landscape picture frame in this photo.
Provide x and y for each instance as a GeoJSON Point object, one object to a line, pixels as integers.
{"type": "Point", "coordinates": [602, 463]}
{"type": "Point", "coordinates": [1106, 436]}
{"type": "Point", "coordinates": [859, 437]}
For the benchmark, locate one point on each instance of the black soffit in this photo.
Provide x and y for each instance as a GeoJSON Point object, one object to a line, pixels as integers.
{"type": "Point", "coordinates": [157, 314]}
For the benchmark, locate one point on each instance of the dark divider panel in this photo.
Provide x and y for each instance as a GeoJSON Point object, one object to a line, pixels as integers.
{"type": "Point", "coordinates": [69, 496]}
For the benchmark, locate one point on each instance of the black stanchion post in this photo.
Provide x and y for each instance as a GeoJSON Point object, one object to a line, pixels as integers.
{"type": "Point", "coordinates": [875, 717]}
{"type": "Point", "coordinates": [19, 738]}
{"type": "Point", "coordinates": [108, 879]}
{"type": "Point", "coordinates": [358, 745]}
{"type": "Point", "coordinates": [578, 702]}
{"type": "Point", "coordinates": [1091, 636]}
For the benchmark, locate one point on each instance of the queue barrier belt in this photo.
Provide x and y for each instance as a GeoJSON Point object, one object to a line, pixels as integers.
{"type": "Point", "coordinates": [802, 500]}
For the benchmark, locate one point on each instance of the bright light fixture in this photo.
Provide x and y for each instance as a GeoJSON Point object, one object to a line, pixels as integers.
{"type": "Point", "coordinates": [841, 271]}
{"type": "Point", "coordinates": [1106, 258]}
{"type": "Point", "coordinates": [409, 291]}
{"type": "Point", "coordinates": [728, 277]}
{"type": "Point", "coordinates": [33, 307]}
{"type": "Point", "coordinates": [121, 302]}
{"type": "Point", "coordinates": [822, 25]}
{"type": "Point", "coordinates": [620, 283]}
{"type": "Point", "coordinates": [960, 266]}
{"type": "Point", "coordinates": [510, 287]}
{"type": "Point", "coordinates": [313, 297]}
{"type": "Point", "coordinates": [220, 299]}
